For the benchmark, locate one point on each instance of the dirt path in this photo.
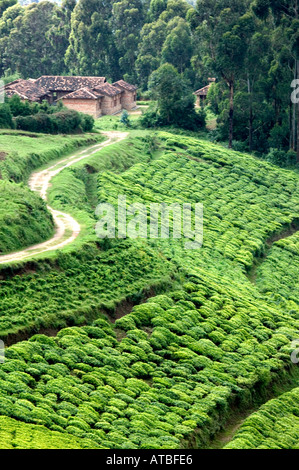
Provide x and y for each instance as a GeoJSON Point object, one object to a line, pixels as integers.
{"type": "Point", "coordinates": [67, 228]}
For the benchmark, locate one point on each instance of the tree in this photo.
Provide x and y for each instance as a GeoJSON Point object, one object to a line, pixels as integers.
{"type": "Point", "coordinates": [175, 8]}
{"type": "Point", "coordinates": [33, 39]}
{"type": "Point", "coordinates": [152, 38]}
{"type": "Point", "coordinates": [58, 35]}
{"type": "Point", "coordinates": [155, 9]}
{"type": "Point", "coordinates": [175, 100]}
{"type": "Point", "coordinates": [222, 30]}
{"type": "Point", "coordinates": [91, 50]}
{"type": "Point", "coordinates": [286, 17]}
{"type": "Point", "coordinates": [6, 121]}
{"type": "Point", "coordinates": [4, 4]}
{"type": "Point", "coordinates": [6, 26]}
{"type": "Point", "coordinates": [127, 20]}
{"type": "Point", "coordinates": [177, 48]}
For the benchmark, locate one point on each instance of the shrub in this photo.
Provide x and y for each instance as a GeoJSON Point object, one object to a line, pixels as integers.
{"type": "Point", "coordinates": [6, 121]}
{"type": "Point", "coordinates": [62, 122]}
{"type": "Point", "coordinates": [124, 119]}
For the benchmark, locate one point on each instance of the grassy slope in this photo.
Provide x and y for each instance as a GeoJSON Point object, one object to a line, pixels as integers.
{"type": "Point", "coordinates": [86, 277]}
{"type": "Point", "coordinates": [169, 372]}
{"type": "Point", "coordinates": [23, 152]}
{"type": "Point", "coordinates": [24, 219]}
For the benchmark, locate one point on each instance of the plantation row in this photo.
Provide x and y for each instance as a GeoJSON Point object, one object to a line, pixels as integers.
{"type": "Point", "coordinates": [75, 286]}
{"type": "Point", "coordinates": [167, 374]}
{"type": "Point", "coordinates": [85, 281]}
{"type": "Point", "coordinates": [79, 286]}
{"type": "Point", "coordinates": [245, 201]}
{"type": "Point", "coordinates": [18, 435]}
{"type": "Point", "coordinates": [279, 273]}
{"type": "Point", "coordinates": [180, 362]}
{"type": "Point", "coordinates": [24, 219]}
{"type": "Point", "coordinates": [274, 426]}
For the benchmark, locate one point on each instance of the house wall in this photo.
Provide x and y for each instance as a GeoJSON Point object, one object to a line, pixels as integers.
{"type": "Point", "coordinates": [60, 94]}
{"type": "Point", "coordinates": [200, 100]}
{"type": "Point", "coordinates": [56, 95]}
{"type": "Point", "coordinates": [128, 99]}
{"type": "Point", "coordinates": [111, 104]}
{"type": "Point", "coordinates": [91, 107]}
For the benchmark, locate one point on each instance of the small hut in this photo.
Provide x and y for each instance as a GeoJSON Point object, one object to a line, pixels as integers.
{"type": "Point", "coordinates": [201, 94]}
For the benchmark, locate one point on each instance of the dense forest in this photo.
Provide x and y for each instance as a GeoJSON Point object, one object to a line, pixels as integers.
{"type": "Point", "coordinates": [251, 47]}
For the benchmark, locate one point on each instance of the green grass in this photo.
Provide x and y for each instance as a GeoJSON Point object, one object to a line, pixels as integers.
{"type": "Point", "coordinates": [24, 218]}
{"type": "Point", "coordinates": [23, 152]}
{"type": "Point", "coordinates": [144, 103]}
{"type": "Point", "coordinates": [84, 278]}
{"type": "Point", "coordinates": [111, 123]}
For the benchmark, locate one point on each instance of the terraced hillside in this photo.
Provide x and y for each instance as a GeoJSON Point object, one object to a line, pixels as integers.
{"type": "Point", "coordinates": [168, 373]}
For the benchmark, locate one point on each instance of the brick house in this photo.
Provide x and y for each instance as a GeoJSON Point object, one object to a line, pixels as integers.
{"type": "Point", "coordinates": [90, 95]}
{"type": "Point", "coordinates": [201, 94]}
{"type": "Point", "coordinates": [85, 100]}
{"type": "Point", "coordinates": [129, 94]}
{"type": "Point", "coordinates": [27, 90]}
{"type": "Point", "coordinates": [111, 101]}
{"type": "Point", "coordinates": [59, 86]}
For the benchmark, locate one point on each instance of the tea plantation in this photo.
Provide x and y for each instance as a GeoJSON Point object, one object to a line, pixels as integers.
{"type": "Point", "coordinates": [274, 426]}
{"type": "Point", "coordinates": [166, 373]}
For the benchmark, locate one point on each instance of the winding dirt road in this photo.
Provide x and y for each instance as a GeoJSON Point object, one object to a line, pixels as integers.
{"type": "Point", "coordinates": [67, 228]}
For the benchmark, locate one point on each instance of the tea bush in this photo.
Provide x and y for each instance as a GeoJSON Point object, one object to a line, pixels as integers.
{"type": "Point", "coordinates": [274, 426]}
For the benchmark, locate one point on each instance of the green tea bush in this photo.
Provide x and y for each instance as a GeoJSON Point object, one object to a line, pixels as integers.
{"type": "Point", "coordinates": [274, 426]}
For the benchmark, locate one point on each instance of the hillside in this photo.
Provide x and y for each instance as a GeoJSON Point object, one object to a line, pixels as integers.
{"type": "Point", "coordinates": [24, 218]}
{"type": "Point", "coordinates": [274, 426]}
{"type": "Point", "coordinates": [168, 372]}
